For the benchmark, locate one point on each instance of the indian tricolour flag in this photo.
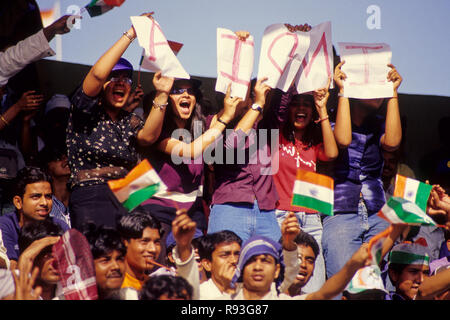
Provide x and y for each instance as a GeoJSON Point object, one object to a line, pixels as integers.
{"type": "Point", "coordinates": [376, 246]}
{"type": "Point", "coordinates": [412, 190]}
{"type": "Point", "coordinates": [401, 211]}
{"type": "Point", "coordinates": [140, 184]}
{"type": "Point", "coordinates": [99, 7]}
{"type": "Point", "coordinates": [314, 191]}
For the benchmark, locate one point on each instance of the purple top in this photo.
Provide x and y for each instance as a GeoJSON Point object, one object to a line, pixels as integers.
{"type": "Point", "coordinates": [184, 181]}
{"type": "Point", "coordinates": [243, 173]}
{"type": "Point", "coordinates": [357, 169]}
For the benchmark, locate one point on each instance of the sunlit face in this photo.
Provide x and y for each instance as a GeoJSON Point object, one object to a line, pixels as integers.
{"type": "Point", "coordinates": [36, 203]}
{"type": "Point", "coordinates": [307, 262]}
{"type": "Point", "coordinates": [183, 100]}
{"type": "Point", "coordinates": [117, 89]}
{"type": "Point", "coordinates": [300, 111]}
{"type": "Point", "coordinates": [260, 272]}
{"type": "Point", "coordinates": [142, 251]}
{"type": "Point", "coordinates": [59, 167]}
{"type": "Point", "coordinates": [110, 271]}
{"type": "Point", "coordinates": [224, 253]}
{"type": "Point", "coordinates": [45, 262]}
{"type": "Point", "coordinates": [408, 281]}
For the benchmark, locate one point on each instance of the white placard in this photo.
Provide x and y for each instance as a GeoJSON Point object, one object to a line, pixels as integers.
{"type": "Point", "coordinates": [235, 59]}
{"type": "Point", "coordinates": [158, 54]}
{"type": "Point", "coordinates": [366, 69]}
{"type": "Point", "coordinates": [317, 66]}
{"type": "Point", "coordinates": [282, 52]}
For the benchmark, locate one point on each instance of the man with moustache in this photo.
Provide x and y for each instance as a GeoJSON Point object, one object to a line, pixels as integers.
{"type": "Point", "coordinates": [109, 253]}
{"type": "Point", "coordinates": [33, 202]}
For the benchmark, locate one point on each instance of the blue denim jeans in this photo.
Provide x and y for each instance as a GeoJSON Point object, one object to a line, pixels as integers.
{"type": "Point", "coordinates": [244, 219]}
{"type": "Point", "coordinates": [343, 234]}
{"type": "Point", "coordinates": [310, 223]}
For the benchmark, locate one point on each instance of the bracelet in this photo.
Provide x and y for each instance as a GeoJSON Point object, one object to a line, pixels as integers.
{"type": "Point", "coordinates": [320, 120]}
{"type": "Point", "coordinates": [4, 120]}
{"type": "Point", "coordinates": [340, 95]}
{"type": "Point", "coordinates": [222, 122]}
{"type": "Point", "coordinates": [128, 36]}
{"type": "Point", "coordinates": [160, 106]}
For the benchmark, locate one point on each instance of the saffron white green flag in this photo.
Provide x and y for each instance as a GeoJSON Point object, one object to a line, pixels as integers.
{"type": "Point", "coordinates": [99, 7]}
{"type": "Point", "coordinates": [314, 191]}
{"type": "Point", "coordinates": [140, 184]}
{"type": "Point", "coordinates": [401, 211]}
{"type": "Point", "coordinates": [412, 190]}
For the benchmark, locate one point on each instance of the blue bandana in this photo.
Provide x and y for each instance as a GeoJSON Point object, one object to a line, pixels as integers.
{"type": "Point", "coordinates": [256, 246]}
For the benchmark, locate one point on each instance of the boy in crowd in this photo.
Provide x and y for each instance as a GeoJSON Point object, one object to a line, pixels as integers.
{"type": "Point", "coordinates": [33, 202]}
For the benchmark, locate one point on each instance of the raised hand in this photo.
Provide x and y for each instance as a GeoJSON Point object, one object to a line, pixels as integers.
{"type": "Point", "coordinates": [183, 229]}
{"type": "Point", "coordinates": [134, 99]}
{"type": "Point", "coordinates": [290, 228]}
{"type": "Point", "coordinates": [242, 35]}
{"type": "Point", "coordinates": [339, 76]}
{"type": "Point", "coordinates": [230, 105]}
{"type": "Point", "coordinates": [261, 90]}
{"type": "Point", "coordinates": [161, 83]}
{"type": "Point", "coordinates": [321, 98]}
{"type": "Point", "coordinates": [394, 77]}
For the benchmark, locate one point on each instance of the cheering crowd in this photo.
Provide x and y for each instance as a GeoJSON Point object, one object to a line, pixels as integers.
{"type": "Point", "coordinates": [223, 230]}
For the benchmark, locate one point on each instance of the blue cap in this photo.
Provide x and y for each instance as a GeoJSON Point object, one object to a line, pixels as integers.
{"type": "Point", "coordinates": [123, 64]}
{"type": "Point", "coordinates": [256, 246]}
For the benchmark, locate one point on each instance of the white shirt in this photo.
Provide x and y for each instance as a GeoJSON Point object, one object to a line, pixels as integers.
{"type": "Point", "coordinates": [209, 291]}
{"type": "Point", "coordinates": [15, 58]}
{"type": "Point", "coordinates": [3, 254]}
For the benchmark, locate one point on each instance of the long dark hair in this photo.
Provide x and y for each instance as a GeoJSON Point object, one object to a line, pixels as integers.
{"type": "Point", "coordinates": [312, 135]}
{"type": "Point", "coordinates": [169, 124]}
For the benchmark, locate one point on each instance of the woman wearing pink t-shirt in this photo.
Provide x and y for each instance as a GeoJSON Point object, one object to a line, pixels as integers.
{"type": "Point", "coordinates": [305, 138]}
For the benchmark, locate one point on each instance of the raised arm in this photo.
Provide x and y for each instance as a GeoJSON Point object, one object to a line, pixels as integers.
{"type": "Point", "coordinates": [183, 229]}
{"type": "Point", "coordinates": [434, 285]}
{"type": "Point", "coordinates": [196, 147]}
{"type": "Point", "coordinates": [392, 137]}
{"type": "Point", "coordinates": [343, 126]}
{"type": "Point", "coordinates": [252, 115]}
{"type": "Point", "coordinates": [330, 149]}
{"type": "Point", "coordinates": [97, 76]}
{"type": "Point", "coordinates": [337, 283]}
{"type": "Point", "coordinates": [154, 122]}
{"type": "Point", "coordinates": [290, 228]}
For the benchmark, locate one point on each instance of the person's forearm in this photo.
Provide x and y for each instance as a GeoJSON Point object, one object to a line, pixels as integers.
{"type": "Point", "coordinates": [247, 121]}
{"type": "Point", "coordinates": [8, 116]}
{"type": "Point", "coordinates": [154, 122]}
{"type": "Point", "coordinates": [343, 126]}
{"type": "Point", "coordinates": [435, 285]}
{"type": "Point", "coordinates": [336, 284]}
{"type": "Point", "coordinates": [196, 148]}
{"type": "Point", "coordinates": [99, 73]}
{"type": "Point", "coordinates": [393, 133]}
{"type": "Point", "coordinates": [329, 142]}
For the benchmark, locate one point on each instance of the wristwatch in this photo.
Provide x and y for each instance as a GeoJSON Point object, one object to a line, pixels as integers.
{"type": "Point", "coordinates": [257, 107]}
